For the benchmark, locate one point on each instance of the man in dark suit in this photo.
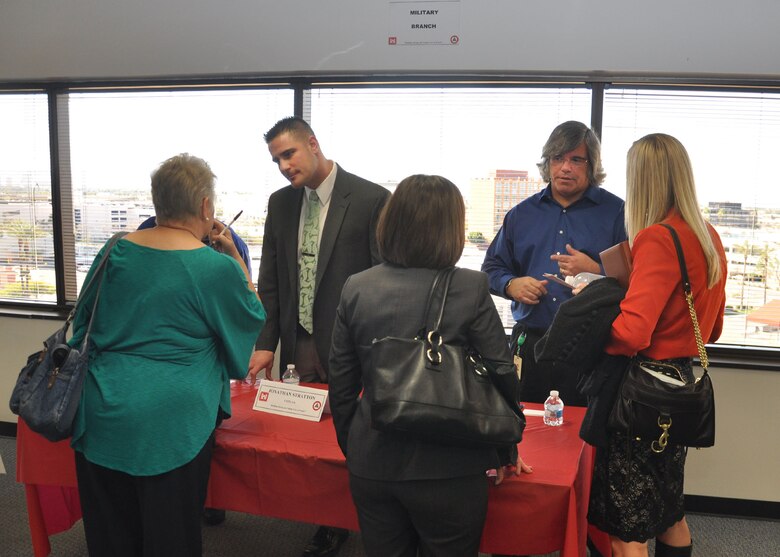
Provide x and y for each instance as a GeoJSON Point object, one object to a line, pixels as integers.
{"type": "Point", "coordinates": [311, 245]}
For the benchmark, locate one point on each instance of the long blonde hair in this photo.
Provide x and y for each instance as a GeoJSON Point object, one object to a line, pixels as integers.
{"type": "Point", "coordinates": [659, 178]}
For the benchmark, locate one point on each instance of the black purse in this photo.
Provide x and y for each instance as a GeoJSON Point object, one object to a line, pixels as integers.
{"type": "Point", "coordinates": [48, 389]}
{"type": "Point", "coordinates": [654, 404]}
{"type": "Point", "coordinates": [440, 392]}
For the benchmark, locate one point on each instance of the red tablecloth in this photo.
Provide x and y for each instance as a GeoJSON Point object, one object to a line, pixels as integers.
{"type": "Point", "coordinates": [293, 469]}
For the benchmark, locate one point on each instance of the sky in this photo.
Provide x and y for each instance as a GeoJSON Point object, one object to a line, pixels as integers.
{"type": "Point", "coordinates": [385, 135]}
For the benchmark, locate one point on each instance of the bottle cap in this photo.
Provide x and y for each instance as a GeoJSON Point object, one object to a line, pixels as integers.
{"type": "Point", "coordinates": [553, 393]}
{"type": "Point", "coordinates": [290, 366]}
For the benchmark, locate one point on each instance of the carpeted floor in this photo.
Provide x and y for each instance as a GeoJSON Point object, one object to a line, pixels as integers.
{"type": "Point", "coordinates": [248, 535]}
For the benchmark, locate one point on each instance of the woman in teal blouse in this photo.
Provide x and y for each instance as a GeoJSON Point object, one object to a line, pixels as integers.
{"type": "Point", "coordinates": [175, 322]}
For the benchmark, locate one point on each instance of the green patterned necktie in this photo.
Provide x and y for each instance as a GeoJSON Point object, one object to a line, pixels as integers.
{"type": "Point", "coordinates": [308, 265]}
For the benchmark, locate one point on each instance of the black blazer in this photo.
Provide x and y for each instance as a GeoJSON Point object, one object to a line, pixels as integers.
{"type": "Point", "coordinates": [390, 301]}
{"type": "Point", "coordinates": [575, 342]}
{"type": "Point", "coordinates": [347, 246]}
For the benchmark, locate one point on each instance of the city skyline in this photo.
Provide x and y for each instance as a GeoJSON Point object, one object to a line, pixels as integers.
{"type": "Point", "coordinates": [98, 213]}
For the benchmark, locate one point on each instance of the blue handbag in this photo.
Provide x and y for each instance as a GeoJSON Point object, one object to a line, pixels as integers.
{"type": "Point", "coordinates": [48, 389]}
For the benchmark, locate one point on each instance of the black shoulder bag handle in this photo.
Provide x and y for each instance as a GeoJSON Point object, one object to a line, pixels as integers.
{"type": "Point", "coordinates": [432, 337]}
{"type": "Point", "coordinates": [434, 311]}
{"type": "Point", "coordinates": [686, 285]}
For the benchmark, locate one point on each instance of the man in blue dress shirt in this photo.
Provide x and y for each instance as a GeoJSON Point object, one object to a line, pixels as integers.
{"type": "Point", "coordinates": [560, 230]}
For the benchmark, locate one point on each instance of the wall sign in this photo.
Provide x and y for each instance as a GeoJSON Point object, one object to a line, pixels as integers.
{"type": "Point", "coordinates": [415, 23]}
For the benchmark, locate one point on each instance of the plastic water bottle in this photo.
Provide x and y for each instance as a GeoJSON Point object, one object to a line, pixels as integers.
{"type": "Point", "coordinates": [553, 409]}
{"type": "Point", "coordinates": [290, 375]}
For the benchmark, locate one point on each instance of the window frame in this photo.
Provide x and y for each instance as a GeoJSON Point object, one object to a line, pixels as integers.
{"type": "Point", "coordinates": [731, 356]}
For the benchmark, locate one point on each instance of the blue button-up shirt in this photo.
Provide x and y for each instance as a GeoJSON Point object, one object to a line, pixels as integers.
{"type": "Point", "coordinates": [539, 227]}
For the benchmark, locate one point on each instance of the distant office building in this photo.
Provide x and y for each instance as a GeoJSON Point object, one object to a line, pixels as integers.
{"type": "Point", "coordinates": [724, 213]}
{"type": "Point", "coordinates": [96, 221]}
{"type": "Point", "coordinates": [25, 237]}
{"type": "Point", "coordinates": [492, 197]}
{"type": "Point", "coordinates": [25, 213]}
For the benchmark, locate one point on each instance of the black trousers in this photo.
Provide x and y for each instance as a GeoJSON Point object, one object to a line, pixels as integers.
{"type": "Point", "coordinates": [441, 518]}
{"type": "Point", "coordinates": [307, 361]}
{"type": "Point", "coordinates": [539, 378]}
{"type": "Point", "coordinates": [149, 516]}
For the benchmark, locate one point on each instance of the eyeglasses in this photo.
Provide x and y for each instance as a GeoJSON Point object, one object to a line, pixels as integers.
{"type": "Point", "coordinates": [558, 160]}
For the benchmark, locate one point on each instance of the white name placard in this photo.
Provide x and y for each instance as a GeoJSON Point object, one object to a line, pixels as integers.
{"type": "Point", "coordinates": [295, 401]}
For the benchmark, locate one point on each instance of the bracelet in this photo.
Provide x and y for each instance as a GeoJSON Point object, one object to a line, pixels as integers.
{"type": "Point", "coordinates": [506, 287]}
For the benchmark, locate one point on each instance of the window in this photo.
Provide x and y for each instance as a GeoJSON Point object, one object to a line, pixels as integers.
{"type": "Point", "coordinates": [117, 139]}
{"type": "Point", "coordinates": [482, 139]}
{"type": "Point", "coordinates": [486, 139]}
{"type": "Point", "coordinates": [732, 138]}
{"type": "Point", "coordinates": [26, 239]}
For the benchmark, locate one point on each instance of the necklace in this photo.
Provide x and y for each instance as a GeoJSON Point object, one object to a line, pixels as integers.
{"type": "Point", "coordinates": [179, 228]}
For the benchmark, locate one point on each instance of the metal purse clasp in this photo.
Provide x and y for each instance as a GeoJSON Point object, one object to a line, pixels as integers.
{"type": "Point", "coordinates": [659, 445]}
{"type": "Point", "coordinates": [479, 365]}
{"type": "Point", "coordinates": [434, 342]}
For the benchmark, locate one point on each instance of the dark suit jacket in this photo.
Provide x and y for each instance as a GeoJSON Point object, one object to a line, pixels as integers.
{"type": "Point", "coordinates": [390, 301]}
{"type": "Point", "coordinates": [347, 246]}
{"type": "Point", "coordinates": [575, 341]}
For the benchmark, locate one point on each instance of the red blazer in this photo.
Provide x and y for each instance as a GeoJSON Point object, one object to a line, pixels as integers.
{"type": "Point", "coordinates": [654, 320]}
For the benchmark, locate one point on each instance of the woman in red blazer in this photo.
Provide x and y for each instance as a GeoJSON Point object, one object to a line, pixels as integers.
{"type": "Point", "coordinates": [637, 494]}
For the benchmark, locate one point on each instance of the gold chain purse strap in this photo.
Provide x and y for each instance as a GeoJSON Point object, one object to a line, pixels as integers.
{"type": "Point", "coordinates": [699, 342]}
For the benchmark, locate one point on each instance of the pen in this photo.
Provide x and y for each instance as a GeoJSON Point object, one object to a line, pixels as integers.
{"type": "Point", "coordinates": [230, 223]}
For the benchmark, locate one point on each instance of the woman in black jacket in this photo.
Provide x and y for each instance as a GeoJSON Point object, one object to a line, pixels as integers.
{"type": "Point", "coordinates": [410, 494]}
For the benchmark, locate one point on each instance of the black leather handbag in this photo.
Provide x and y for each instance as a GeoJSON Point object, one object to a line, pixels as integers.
{"type": "Point", "coordinates": [48, 390]}
{"type": "Point", "coordinates": [440, 392]}
{"type": "Point", "coordinates": [651, 406]}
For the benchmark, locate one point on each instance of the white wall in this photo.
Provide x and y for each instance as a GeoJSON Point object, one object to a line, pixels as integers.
{"type": "Point", "coordinates": [19, 337]}
{"type": "Point", "coordinates": [50, 39]}
{"type": "Point", "coordinates": [742, 465]}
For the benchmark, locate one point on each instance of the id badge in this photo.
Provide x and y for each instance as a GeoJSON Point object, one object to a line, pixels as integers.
{"type": "Point", "coordinates": [517, 358]}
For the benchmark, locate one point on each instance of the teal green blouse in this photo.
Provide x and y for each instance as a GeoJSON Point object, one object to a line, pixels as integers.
{"type": "Point", "coordinates": [171, 329]}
